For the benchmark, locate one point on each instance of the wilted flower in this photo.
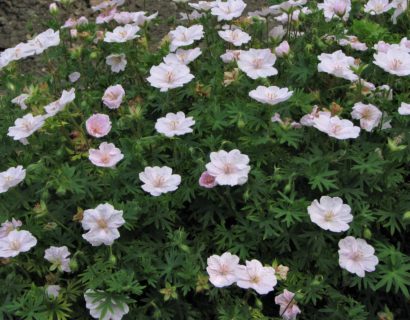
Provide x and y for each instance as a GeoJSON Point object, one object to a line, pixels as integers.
{"type": "Point", "coordinates": [117, 62]}
{"type": "Point", "coordinates": [231, 55]}
{"type": "Point", "coordinates": [58, 256]}
{"type": "Point", "coordinates": [222, 270]}
{"type": "Point", "coordinates": [229, 168]}
{"type": "Point", "coordinates": [228, 10]}
{"type": "Point", "coordinates": [207, 181]}
{"type": "Point", "coordinates": [107, 155]}
{"type": "Point", "coordinates": [11, 178]}
{"type": "Point", "coordinates": [281, 272]}
{"type": "Point", "coordinates": [335, 127]}
{"type": "Point", "coordinates": [169, 76]}
{"type": "Point", "coordinates": [356, 256]}
{"type": "Point", "coordinates": [174, 124]}
{"type": "Point", "coordinates": [395, 61]}
{"type": "Point", "coordinates": [25, 127]}
{"type": "Point", "coordinates": [230, 76]}
{"type": "Point", "coordinates": [8, 226]}
{"type": "Point", "coordinates": [330, 214]}
{"type": "Point", "coordinates": [59, 105]}
{"type": "Point", "coordinates": [336, 9]}
{"type": "Point", "coordinates": [113, 96]}
{"type": "Point", "coordinates": [102, 224]}
{"type": "Point", "coordinates": [270, 95]}
{"type": "Point", "coordinates": [15, 242]}
{"type": "Point", "coordinates": [182, 36]}
{"type": "Point", "coordinates": [257, 277]}
{"type": "Point", "coordinates": [257, 63]}
{"type": "Point", "coordinates": [368, 114]}
{"type": "Point", "coordinates": [159, 180]}
{"type": "Point", "coordinates": [404, 109]}
{"type": "Point", "coordinates": [115, 311]}
{"type": "Point", "coordinates": [353, 42]}
{"type": "Point", "coordinates": [21, 101]}
{"type": "Point", "coordinates": [122, 34]}
{"type": "Point", "coordinates": [237, 37]}
{"type": "Point", "coordinates": [400, 6]}
{"type": "Point", "coordinates": [288, 307]}
{"type": "Point", "coordinates": [182, 56]}
{"type": "Point", "coordinates": [98, 125]}
{"type": "Point", "coordinates": [337, 64]}
{"type": "Point", "coordinates": [308, 119]}
{"type": "Point", "coordinates": [376, 7]}
{"type": "Point", "coordinates": [73, 77]}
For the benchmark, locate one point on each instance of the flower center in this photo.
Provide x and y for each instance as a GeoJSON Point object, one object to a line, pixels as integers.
{"type": "Point", "coordinates": [366, 114]}
{"type": "Point", "coordinates": [271, 96]}
{"type": "Point", "coordinates": [105, 158]}
{"type": "Point", "coordinates": [174, 124]}
{"type": "Point", "coordinates": [395, 64]}
{"type": "Point", "coordinates": [228, 168]}
{"type": "Point", "coordinates": [224, 270]}
{"type": "Point", "coordinates": [255, 279]}
{"type": "Point", "coordinates": [329, 216]}
{"type": "Point", "coordinates": [257, 63]}
{"type": "Point", "coordinates": [336, 128]}
{"type": "Point", "coordinates": [170, 77]}
{"type": "Point", "coordinates": [123, 34]}
{"type": "Point", "coordinates": [159, 182]}
{"type": "Point", "coordinates": [357, 256]}
{"type": "Point", "coordinates": [102, 223]}
{"type": "Point", "coordinates": [15, 245]}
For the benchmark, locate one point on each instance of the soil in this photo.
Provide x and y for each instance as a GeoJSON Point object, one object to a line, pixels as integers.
{"type": "Point", "coordinates": [20, 19]}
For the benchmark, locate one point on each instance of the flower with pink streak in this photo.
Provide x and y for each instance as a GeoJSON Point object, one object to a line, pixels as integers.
{"type": "Point", "coordinates": [8, 226]}
{"type": "Point", "coordinates": [113, 96]}
{"type": "Point", "coordinates": [98, 125]}
{"type": "Point", "coordinates": [288, 307]}
{"type": "Point", "coordinates": [207, 181]}
{"type": "Point", "coordinates": [335, 127]}
{"type": "Point", "coordinates": [282, 49]}
{"type": "Point", "coordinates": [106, 156]}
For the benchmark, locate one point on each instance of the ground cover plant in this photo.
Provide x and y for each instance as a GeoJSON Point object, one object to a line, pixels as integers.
{"type": "Point", "coordinates": [250, 165]}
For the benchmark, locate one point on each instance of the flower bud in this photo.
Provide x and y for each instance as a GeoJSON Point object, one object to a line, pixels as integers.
{"type": "Point", "coordinates": [283, 49]}
{"type": "Point", "coordinates": [367, 233]}
{"type": "Point", "coordinates": [73, 264]}
{"type": "Point", "coordinates": [53, 8]}
{"type": "Point", "coordinates": [112, 259]}
{"type": "Point", "coordinates": [406, 216]}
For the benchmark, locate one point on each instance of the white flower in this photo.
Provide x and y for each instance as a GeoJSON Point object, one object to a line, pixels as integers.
{"type": "Point", "coordinates": [222, 269]}
{"type": "Point", "coordinates": [8, 226]}
{"type": "Point", "coordinates": [16, 242]}
{"type": "Point", "coordinates": [270, 95]}
{"type": "Point", "coordinates": [230, 55]}
{"type": "Point", "coordinates": [336, 9]}
{"type": "Point", "coordinates": [11, 178]}
{"type": "Point", "coordinates": [21, 101]}
{"type": "Point", "coordinates": [122, 34]}
{"type": "Point", "coordinates": [116, 311]}
{"type": "Point", "coordinates": [74, 76]}
{"type": "Point", "coordinates": [335, 127]}
{"type": "Point", "coordinates": [368, 114]}
{"type": "Point", "coordinates": [117, 62]}
{"type": "Point", "coordinates": [395, 61]}
{"type": "Point", "coordinates": [229, 168]}
{"type": "Point", "coordinates": [58, 256]}
{"type": "Point", "coordinates": [353, 42]}
{"type": "Point", "coordinates": [194, 15]}
{"type": "Point", "coordinates": [169, 76]}
{"type": "Point", "coordinates": [25, 127]}
{"type": "Point", "coordinates": [237, 37]}
{"type": "Point", "coordinates": [159, 180]}
{"type": "Point", "coordinates": [228, 10]}
{"type": "Point", "coordinates": [337, 64]}
{"type": "Point", "coordinates": [330, 214]}
{"type": "Point", "coordinates": [53, 291]}
{"type": "Point", "coordinates": [257, 277]}
{"type": "Point", "coordinates": [59, 105]}
{"type": "Point", "coordinates": [277, 33]}
{"type": "Point", "coordinates": [182, 56]}
{"type": "Point", "coordinates": [376, 7]}
{"type": "Point", "coordinates": [45, 40]}
{"type": "Point", "coordinates": [356, 256]}
{"type": "Point", "coordinates": [257, 63]}
{"type": "Point", "coordinates": [103, 223]}
{"type": "Point", "coordinates": [404, 109]}
{"type": "Point", "coordinates": [174, 124]}
{"type": "Point", "coordinates": [400, 7]}
{"type": "Point", "coordinates": [282, 49]}
{"type": "Point", "coordinates": [182, 36]}
{"type": "Point", "coordinates": [308, 120]}
{"type": "Point", "coordinates": [203, 5]}
{"type": "Point", "coordinates": [107, 155]}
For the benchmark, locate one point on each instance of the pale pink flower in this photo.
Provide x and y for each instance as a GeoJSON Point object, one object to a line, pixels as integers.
{"type": "Point", "coordinates": [16, 242]}
{"type": "Point", "coordinates": [74, 33]}
{"type": "Point", "coordinates": [8, 226]}
{"type": "Point", "coordinates": [356, 256]}
{"type": "Point", "coordinates": [106, 4]}
{"type": "Point", "coordinates": [207, 181]}
{"type": "Point", "coordinates": [203, 5]}
{"type": "Point", "coordinates": [117, 62]}
{"type": "Point", "coordinates": [288, 307]}
{"type": "Point", "coordinates": [25, 127]}
{"type": "Point", "coordinates": [376, 7]}
{"type": "Point", "coordinates": [337, 64]}
{"type": "Point", "coordinates": [330, 214]}
{"type": "Point", "coordinates": [336, 9]}
{"type": "Point", "coordinates": [395, 61]}
{"type": "Point", "coordinates": [222, 269]}
{"type": "Point", "coordinates": [113, 96]}
{"type": "Point", "coordinates": [404, 109]}
{"type": "Point", "coordinates": [282, 49]}
{"type": "Point", "coordinates": [229, 168]}
{"type": "Point", "coordinates": [169, 76]}
{"type": "Point", "coordinates": [74, 76]}
{"type": "Point", "coordinates": [257, 63]}
{"type": "Point", "coordinates": [382, 46]}
{"type": "Point", "coordinates": [405, 44]}
{"type": "Point", "coordinates": [115, 311]}
{"type": "Point", "coordinates": [308, 119]}
{"type": "Point", "coordinates": [54, 107]}
{"type": "Point", "coordinates": [277, 33]}
{"type": "Point", "coordinates": [257, 277]}
{"type": "Point", "coordinates": [122, 34]}
{"type": "Point", "coordinates": [353, 42]}
{"type": "Point", "coordinates": [231, 55]}
{"type": "Point", "coordinates": [159, 180]}
{"type": "Point", "coordinates": [21, 101]}
{"type": "Point", "coordinates": [400, 6]}
{"type": "Point", "coordinates": [194, 15]}
{"type": "Point", "coordinates": [270, 95]}
{"type": "Point", "coordinates": [45, 40]}
{"type": "Point", "coordinates": [11, 178]}
{"type": "Point", "coordinates": [174, 124]}
{"type": "Point", "coordinates": [53, 291]}
{"type": "Point", "coordinates": [237, 37]}
{"type": "Point", "coordinates": [106, 16]}
{"type": "Point", "coordinates": [102, 224]}
{"type": "Point", "coordinates": [98, 125]}
{"type": "Point", "coordinates": [139, 18]}
{"type": "Point", "coordinates": [182, 56]}
{"type": "Point", "coordinates": [59, 257]}
{"type": "Point", "coordinates": [335, 127]}
{"type": "Point", "coordinates": [368, 114]}
{"type": "Point", "coordinates": [183, 36]}
{"type": "Point", "coordinates": [107, 155]}
{"type": "Point", "coordinates": [228, 10]}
